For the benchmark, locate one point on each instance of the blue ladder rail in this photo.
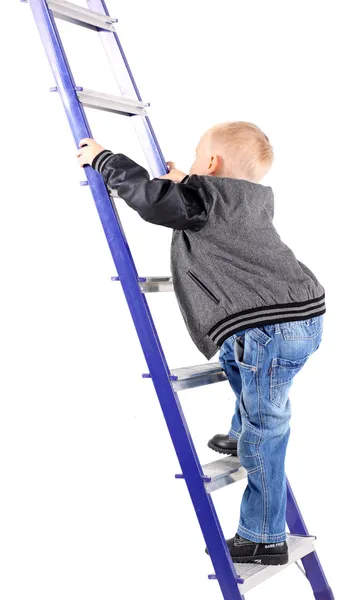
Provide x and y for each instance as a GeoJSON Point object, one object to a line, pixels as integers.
{"type": "Point", "coordinates": [97, 17]}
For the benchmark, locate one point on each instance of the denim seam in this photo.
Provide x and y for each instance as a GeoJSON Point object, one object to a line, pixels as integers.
{"type": "Point", "coordinates": [274, 536]}
{"type": "Point", "coordinates": [282, 383]}
{"type": "Point", "coordinates": [252, 429]}
{"type": "Point", "coordinates": [278, 404]}
{"type": "Point", "coordinates": [300, 337]}
{"type": "Point", "coordinates": [290, 365]}
{"type": "Point", "coordinates": [253, 470]}
{"type": "Point", "coordinates": [265, 502]}
{"type": "Point", "coordinates": [261, 535]}
{"type": "Point", "coordinates": [235, 433]}
{"type": "Point", "coordinates": [253, 443]}
{"type": "Point", "coordinates": [261, 424]}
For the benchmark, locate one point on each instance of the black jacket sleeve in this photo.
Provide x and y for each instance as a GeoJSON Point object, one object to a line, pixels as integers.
{"type": "Point", "coordinates": [160, 201]}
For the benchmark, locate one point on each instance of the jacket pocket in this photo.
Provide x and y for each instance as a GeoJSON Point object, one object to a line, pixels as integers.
{"type": "Point", "coordinates": [203, 287]}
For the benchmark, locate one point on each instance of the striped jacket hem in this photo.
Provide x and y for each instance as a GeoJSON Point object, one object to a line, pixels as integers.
{"type": "Point", "coordinates": [266, 315]}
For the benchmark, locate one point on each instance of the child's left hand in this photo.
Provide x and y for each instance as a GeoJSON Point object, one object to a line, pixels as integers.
{"type": "Point", "coordinates": [87, 154]}
{"type": "Point", "coordinates": [174, 174]}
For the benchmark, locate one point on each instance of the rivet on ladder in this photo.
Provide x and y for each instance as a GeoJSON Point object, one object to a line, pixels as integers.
{"type": "Point", "coordinates": [54, 88]}
{"type": "Point", "coordinates": [83, 183]}
{"type": "Point", "coordinates": [115, 278]}
{"type": "Point", "coordinates": [78, 88]}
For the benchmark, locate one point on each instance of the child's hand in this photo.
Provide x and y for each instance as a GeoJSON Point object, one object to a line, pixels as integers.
{"type": "Point", "coordinates": [174, 174]}
{"type": "Point", "coordinates": [87, 154]}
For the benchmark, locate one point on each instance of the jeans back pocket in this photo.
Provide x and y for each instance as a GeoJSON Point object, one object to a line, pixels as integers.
{"type": "Point", "coordinates": [306, 329]}
{"type": "Point", "coordinates": [283, 371]}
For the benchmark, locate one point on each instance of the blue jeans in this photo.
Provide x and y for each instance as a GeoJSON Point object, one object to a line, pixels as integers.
{"type": "Point", "coordinates": [260, 364]}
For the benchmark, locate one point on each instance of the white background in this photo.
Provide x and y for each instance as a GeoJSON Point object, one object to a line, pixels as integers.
{"type": "Point", "coordinates": [89, 506]}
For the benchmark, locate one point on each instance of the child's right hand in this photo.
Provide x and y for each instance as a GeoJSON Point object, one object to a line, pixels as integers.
{"type": "Point", "coordinates": [174, 174]}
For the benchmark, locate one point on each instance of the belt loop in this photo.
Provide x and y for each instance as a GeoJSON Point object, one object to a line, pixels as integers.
{"type": "Point", "coordinates": [277, 328]}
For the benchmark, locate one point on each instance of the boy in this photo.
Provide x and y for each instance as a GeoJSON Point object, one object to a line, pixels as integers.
{"type": "Point", "coordinates": [240, 289]}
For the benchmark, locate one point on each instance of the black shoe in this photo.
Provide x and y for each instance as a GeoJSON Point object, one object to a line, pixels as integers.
{"type": "Point", "coordinates": [223, 444]}
{"type": "Point", "coordinates": [245, 551]}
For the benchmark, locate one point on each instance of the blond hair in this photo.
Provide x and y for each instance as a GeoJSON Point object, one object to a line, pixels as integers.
{"type": "Point", "coordinates": [245, 151]}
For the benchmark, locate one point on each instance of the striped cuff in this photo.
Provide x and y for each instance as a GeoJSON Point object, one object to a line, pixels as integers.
{"type": "Point", "coordinates": [266, 315]}
{"type": "Point", "coordinates": [101, 159]}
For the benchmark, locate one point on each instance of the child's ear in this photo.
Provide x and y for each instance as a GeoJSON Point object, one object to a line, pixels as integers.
{"type": "Point", "coordinates": [214, 164]}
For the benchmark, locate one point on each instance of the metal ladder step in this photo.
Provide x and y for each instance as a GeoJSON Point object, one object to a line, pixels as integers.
{"type": "Point", "coordinates": [153, 284]}
{"type": "Point", "coordinates": [81, 16]}
{"type": "Point", "coordinates": [253, 575]}
{"type": "Point", "coordinates": [116, 104]}
{"type": "Point", "coordinates": [221, 472]}
{"type": "Point", "coordinates": [196, 376]}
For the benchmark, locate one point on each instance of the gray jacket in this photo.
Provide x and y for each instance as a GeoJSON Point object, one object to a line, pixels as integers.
{"type": "Point", "coordinates": [231, 270]}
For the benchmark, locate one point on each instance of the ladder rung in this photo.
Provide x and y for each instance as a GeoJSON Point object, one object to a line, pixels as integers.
{"type": "Point", "coordinates": [223, 472]}
{"type": "Point", "coordinates": [252, 575]}
{"type": "Point", "coordinates": [115, 104]}
{"type": "Point", "coordinates": [155, 284]}
{"type": "Point", "coordinates": [80, 15]}
{"type": "Point", "coordinates": [190, 377]}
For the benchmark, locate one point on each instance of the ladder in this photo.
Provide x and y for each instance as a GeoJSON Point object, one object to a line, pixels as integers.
{"type": "Point", "coordinates": [202, 481]}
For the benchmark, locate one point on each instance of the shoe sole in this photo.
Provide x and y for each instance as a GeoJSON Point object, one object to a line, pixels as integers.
{"type": "Point", "coordinates": [274, 560]}
{"type": "Point", "coordinates": [221, 450]}
{"type": "Point", "coordinates": [268, 560]}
